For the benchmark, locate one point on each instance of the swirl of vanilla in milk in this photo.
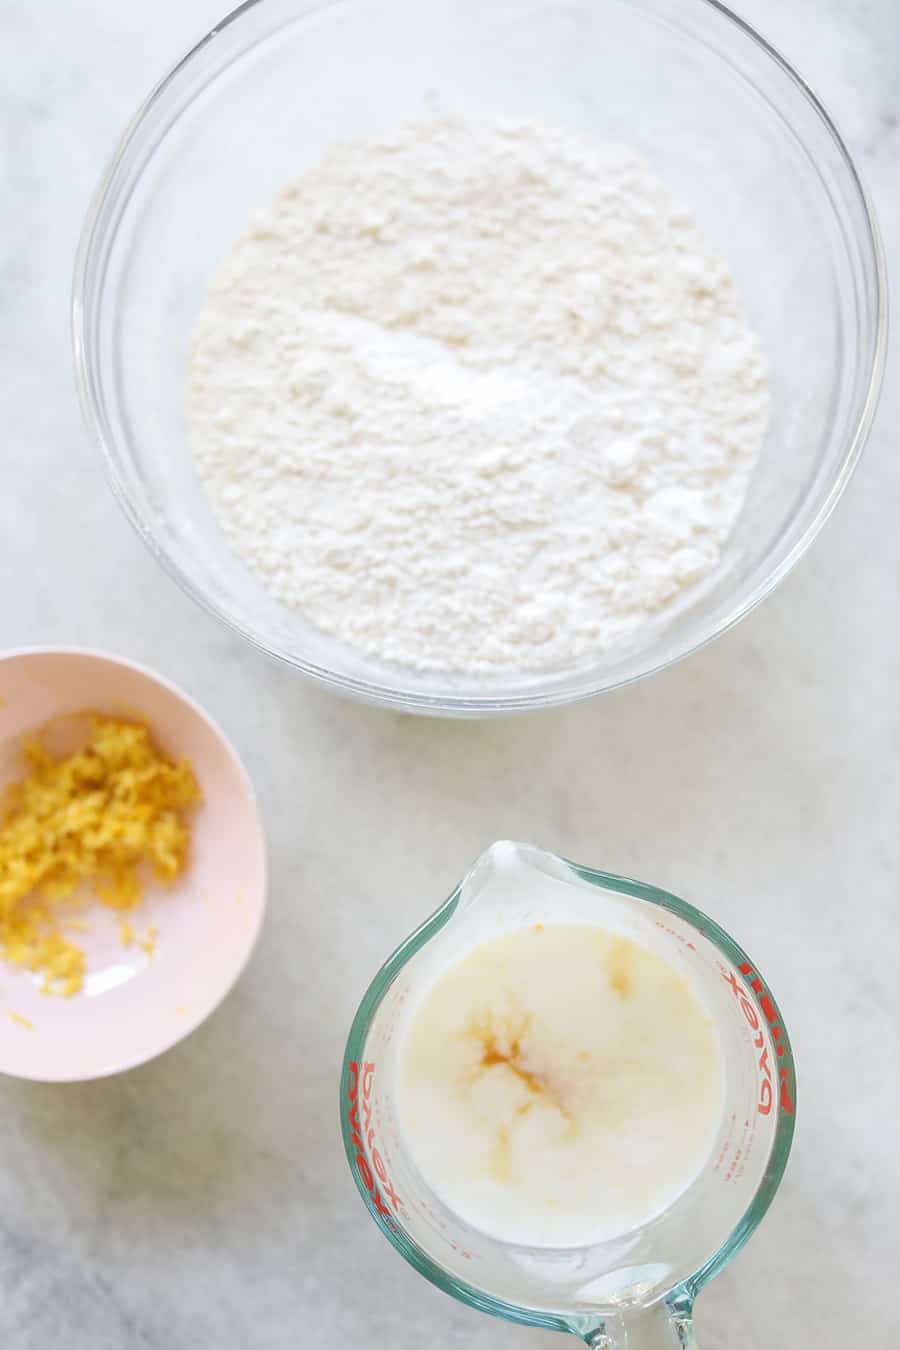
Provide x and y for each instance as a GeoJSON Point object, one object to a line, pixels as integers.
{"type": "Point", "coordinates": [559, 1085]}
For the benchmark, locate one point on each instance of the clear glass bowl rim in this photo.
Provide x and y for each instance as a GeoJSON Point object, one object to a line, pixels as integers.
{"type": "Point", "coordinates": [449, 703]}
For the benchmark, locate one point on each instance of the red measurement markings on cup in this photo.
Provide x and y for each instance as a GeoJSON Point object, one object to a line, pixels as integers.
{"type": "Point", "coordinates": [737, 1157]}
{"type": "Point", "coordinates": [767, 1007]}
{"type": "Point", "coordinates": [374, 1172]}
{"type": "Point", "coordinates": [679, 937]}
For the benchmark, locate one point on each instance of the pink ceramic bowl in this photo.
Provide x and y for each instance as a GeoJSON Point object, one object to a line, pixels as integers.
{"type": "Point", "coordinates": [136, 1002]}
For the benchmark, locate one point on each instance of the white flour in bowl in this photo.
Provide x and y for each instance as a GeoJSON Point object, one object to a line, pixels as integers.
{"type": "Point", "coordinates": [476, 397]}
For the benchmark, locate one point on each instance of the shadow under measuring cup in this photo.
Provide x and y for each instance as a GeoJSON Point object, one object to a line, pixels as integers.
{"type": "Point", "coordinates": [635, 1289]}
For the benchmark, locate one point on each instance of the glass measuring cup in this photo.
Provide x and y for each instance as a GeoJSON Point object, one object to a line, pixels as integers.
{"type": "Point", "coordinates": [638, 1288]}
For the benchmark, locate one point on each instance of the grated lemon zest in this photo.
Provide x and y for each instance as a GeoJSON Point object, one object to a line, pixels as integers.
{"type": "Point", "coordinates": [148, 941]}
{"type": "Point", "coordinates": [94, 816]}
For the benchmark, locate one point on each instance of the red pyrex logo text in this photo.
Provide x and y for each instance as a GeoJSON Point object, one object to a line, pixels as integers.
{"type": "Point", "coordinates": [378, 1193]}
{"type": "Point", "coordinates": [766, 1083]}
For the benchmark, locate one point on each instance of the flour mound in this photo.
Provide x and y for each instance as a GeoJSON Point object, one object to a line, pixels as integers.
{"type": "Point", "coordinates": [476, 398]}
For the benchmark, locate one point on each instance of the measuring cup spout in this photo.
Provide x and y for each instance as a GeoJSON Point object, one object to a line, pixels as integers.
{"type": "Point", "coordinates": [668, 1325]}
{"type": "Point", "coordinates": [492, 879]}
{"type": "Point", "coordinates": [498, 859]}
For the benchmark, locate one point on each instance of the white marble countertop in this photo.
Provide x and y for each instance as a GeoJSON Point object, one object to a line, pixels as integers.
{"type": "Point", "coordinates": [203, 1200]}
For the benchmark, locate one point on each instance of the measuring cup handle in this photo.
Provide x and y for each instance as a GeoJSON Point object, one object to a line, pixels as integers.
{"type": "Point", "coordinates": [665, 1326]}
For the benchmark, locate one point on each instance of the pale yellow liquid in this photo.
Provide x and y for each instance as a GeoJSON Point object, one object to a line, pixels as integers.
{"type": "Point", "coordinates": [559, 1085]}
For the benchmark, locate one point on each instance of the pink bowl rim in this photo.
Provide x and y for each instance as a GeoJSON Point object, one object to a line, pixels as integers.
{"type": "Point", "coordinates": [256, 820]}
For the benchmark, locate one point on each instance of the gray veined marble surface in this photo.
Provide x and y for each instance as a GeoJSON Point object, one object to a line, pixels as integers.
{"type": "Point", "coordinates": [202, 1201]}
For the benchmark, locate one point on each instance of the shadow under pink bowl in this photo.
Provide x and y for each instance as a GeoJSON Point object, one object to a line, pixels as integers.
{"type": "Point", "coordinates": [135, 1003]}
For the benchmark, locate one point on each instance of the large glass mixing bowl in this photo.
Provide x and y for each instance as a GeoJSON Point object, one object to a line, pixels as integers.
{"type": "Point", "coordinates": [726, 123]}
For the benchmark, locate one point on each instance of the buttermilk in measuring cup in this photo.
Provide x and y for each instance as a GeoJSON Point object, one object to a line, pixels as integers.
{"type": "Point", "coordinates": [559, 1084]}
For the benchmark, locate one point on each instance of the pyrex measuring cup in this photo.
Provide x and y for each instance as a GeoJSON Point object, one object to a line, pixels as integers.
{"type": "Point", "coordinates": [638, 1288]}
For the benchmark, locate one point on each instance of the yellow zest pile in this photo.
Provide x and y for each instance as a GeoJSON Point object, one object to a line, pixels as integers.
{"type": "Point", "coordinates": [94, 816]}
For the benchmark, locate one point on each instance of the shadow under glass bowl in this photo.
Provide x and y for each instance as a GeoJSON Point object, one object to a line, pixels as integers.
{"type": "Point", "coordinates": [734, 132]}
